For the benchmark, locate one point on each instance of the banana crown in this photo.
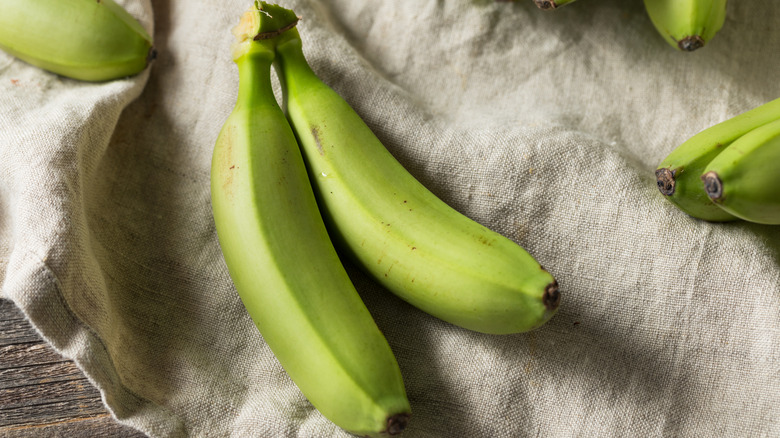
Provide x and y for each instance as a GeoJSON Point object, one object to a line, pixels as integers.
{"type": "Point", "coordinates": [262, 21]}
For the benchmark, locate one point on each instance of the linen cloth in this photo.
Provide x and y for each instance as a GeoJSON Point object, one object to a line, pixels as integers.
{"type": "Point", "coordinates": [544, 126]}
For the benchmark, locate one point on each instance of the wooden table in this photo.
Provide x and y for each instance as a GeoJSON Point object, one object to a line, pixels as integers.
{"type": "Point", "coordinates": [43, 394]}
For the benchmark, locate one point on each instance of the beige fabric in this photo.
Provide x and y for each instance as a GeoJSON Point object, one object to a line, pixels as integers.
{"type": "Point", "coordinates": [545, 126]}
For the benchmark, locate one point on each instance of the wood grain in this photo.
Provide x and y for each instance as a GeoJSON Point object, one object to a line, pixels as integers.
{"type": "Point", "coordinates": [43, 394]}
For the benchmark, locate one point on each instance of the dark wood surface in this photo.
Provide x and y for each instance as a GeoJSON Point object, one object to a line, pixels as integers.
{"type": "Point", "coordinates": [43, 394]}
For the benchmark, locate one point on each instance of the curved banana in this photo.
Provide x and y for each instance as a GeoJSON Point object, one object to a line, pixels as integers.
{"type": "Point", "coordinates": [282, 261]}
{"type": "Point", "coordinates": [90, 40]}
{"type": "Point", "coordinates": [687, 24]}
{"type": "Point", "coordinates": [395, 229]}
{"type": "Point", "coordinates": [678, 175]}
{"type": "Point", "coordinates": [551, 4]}
{"type": "Point", "coordinates": [744, 178]}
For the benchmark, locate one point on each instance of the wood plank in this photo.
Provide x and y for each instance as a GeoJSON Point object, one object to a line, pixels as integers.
{"type": "Point", "coordinates": [35, 411]}
{"type": "Point", "coordinates": [42, 394]}
{"type": "Point", "coordinates": [101, 426]}
{"type": "Point", "coordinates": [8, 310]}
{"type": "Point", "coordinates": [28, 354]}
{"type": "Point", "coordinates": [39, 374]}
{"type": "Point", "coordinates": [75, 391]}
{"type": "Point", "coordinates": [14, 328]}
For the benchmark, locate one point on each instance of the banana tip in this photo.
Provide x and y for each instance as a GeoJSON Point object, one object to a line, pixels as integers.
{"type": "Point", "coordinates": [665, 180]}
{"type": "Point", "coordinates": [713, 185]}
{"type": "Point", "coordinates": [552, 296]}
{"type": "Point", "coordinates": [152, 55]}
{"type": "Point", "coordinates": [546, 4]}
{"type": "Point", "coordinates": [397, 423]}
{"type": "Point", "coordinates": [690, 43]}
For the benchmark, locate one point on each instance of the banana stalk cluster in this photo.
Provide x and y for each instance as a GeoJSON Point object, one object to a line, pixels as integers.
{"type": "Point", "coordinates": [88, 40]}
{"type": "Point", "coordinates": [292, 186]}
{"type": "Point", "coordinates": [728, 171]}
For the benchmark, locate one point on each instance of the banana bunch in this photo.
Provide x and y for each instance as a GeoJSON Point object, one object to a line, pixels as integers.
{"type": "Point", "coordinates": [395, 229]}
{"type": "Point", "coordinates": [87, 40]}
{"type": "Point", "coordinates": [728, 171]}
{"type": "Point", "coordinates": [280, 257]}
{"type": "Point", "coordinates": [285, 189]}
{"type": "Point", "coordinates": [687, 24]}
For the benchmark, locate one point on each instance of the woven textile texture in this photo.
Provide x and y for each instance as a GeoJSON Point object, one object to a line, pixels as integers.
{"type": "Point", "coordinates": [543, 126]}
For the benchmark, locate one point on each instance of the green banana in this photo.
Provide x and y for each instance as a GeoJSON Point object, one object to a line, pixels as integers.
{"type": "Point", "coordinates": [281, 260]}
{"type": "Point", "coordinates": [678, 175]}
{"type": "Point", "coordinates": [744, 179]}
{"type": "Point", "coordinates": [551, 4]}
{"type": "Point", "coordinates": [89, 40]}
{"type": "Point", "coordinates": [687, 24]}
{"type": "Point", "coordinates": [406, 238]}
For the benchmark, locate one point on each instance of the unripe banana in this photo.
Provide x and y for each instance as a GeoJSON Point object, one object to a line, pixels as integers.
{"type": "Point", "coordinates": [406, 238]}
{"type": "Point", "coordinates": [90, 40]}
{"type": "Point", "coordinates": [551, 4]}
{"type": "Point", "coordinates": [744, 179]}
{"type": "Point", "coordinates": [678, 175]}
{"type": "Point", "coordinates": [281, 260]}
{"type": "Point", "coordinates": [687, 24]}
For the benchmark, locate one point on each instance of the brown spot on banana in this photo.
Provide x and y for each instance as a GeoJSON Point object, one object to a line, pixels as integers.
{"type": "Point", "coordinates": [486, 240]}
{"type": "Point", "coordinates": [315, 132]}
{"type": "Point", "coordinates": [226, 159]}
{"type": "Point", "coordinates": [390, 268]}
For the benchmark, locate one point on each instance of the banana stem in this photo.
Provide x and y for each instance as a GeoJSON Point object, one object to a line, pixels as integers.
{"type": "Point", "coordinates": [254, 78]}
{"type": "Point", "coordinates": [293, 69]}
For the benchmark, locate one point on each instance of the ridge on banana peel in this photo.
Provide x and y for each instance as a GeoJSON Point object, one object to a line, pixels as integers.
{"type": "Point", "coordinates": [395, 229]}
{"type": "Point", "coordinates": [687, 25]}
{"type": "Point", "coordinates": [678, 176]}
{"type": "Point", "coordinates": [281, 260]}
{"type": "Point", "coordinates": [744, 179]}
{"type": "Point", "coordinates": [86, 40]}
